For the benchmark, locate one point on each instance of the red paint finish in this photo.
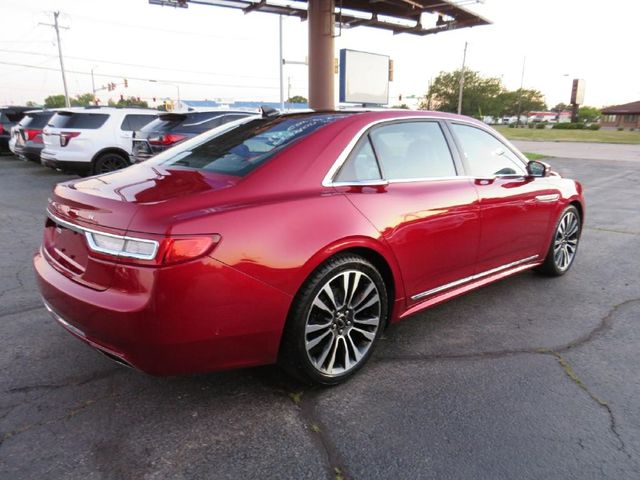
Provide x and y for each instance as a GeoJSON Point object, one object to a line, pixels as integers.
{"type": "Point", "coordinates": [226, 306]}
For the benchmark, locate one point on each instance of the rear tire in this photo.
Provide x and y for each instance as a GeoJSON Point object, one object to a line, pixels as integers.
{"type": "Point", "coordinates": [335, 322]}
{"type": "Point", "coordinates": [109, 162]}
{"type": "Point", "coordinates": [564, 243]}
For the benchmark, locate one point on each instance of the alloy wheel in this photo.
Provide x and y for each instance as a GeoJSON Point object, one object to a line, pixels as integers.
{"type": "Point", "coordinates": [565, 242]}
{"type": "Point", "coordinates": [342, 322]}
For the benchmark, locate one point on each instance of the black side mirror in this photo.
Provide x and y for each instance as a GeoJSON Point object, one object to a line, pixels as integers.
{"type": "Point", "coordinates": [538, 169]}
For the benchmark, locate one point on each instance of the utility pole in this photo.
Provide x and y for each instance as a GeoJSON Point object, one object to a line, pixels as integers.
{"type": "Point", "coordinates": [464, 58]}
{"type": "Point", "coordinates": [64, 78]}
{"type": "Point", "coordinates": [524, 61]}
{"type": "Point", "coordinates": [281, 64]}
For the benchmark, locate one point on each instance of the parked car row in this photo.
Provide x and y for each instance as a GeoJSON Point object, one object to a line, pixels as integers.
{"type": "Point", "coordinates": [94, 140]}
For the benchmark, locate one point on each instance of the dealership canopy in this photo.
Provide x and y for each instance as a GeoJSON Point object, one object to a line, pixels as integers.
{"type": "Point", "coordinates": [398, 16]}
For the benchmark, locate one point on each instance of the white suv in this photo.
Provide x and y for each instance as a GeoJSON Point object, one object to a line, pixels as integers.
{"type": "Point", "coordinates": [92, 140]}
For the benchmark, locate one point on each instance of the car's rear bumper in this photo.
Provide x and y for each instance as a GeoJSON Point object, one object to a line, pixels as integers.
{"type": "Point", "coordinates": [73, 166]}
{"type": "Point", "coordinates": [30, 152]}
{"type": "Point", "coordinates": [4, 144]}
{"type": "Point", "coordinates": [194, 317]}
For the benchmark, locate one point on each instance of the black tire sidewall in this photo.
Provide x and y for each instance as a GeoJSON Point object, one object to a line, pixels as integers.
{"type": "Point", "coordinates": [103, 157]}
{"type": "Point", "coordinates": [549, 266]}
{"type": "Point", "coordinates": [295, 358]}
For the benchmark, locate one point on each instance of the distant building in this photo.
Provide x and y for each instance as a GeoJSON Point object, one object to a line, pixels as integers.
{"type": "Point", "coordinates": [625, 116]}
{"type": "Point", "coordinates": [551, 117]}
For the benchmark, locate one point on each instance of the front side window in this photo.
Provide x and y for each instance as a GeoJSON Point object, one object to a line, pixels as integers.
{"type": "Point", "coordinates": [486, 155]}
{"type": "Point", "coordinates": [412, 150]}
{"type": "Point", "coordinates": [241, 149]}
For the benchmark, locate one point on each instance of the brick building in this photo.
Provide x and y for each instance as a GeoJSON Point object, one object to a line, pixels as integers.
{"type": "Point", "coordinates": [626, 116]}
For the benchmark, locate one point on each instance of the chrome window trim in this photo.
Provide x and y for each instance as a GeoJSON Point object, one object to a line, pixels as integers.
{"type": "Point", "coordinates": [327, 181]}
{"type": "Point", "coordinates": [88, 232]}
{"type": "Point", "coordinates": [477, 276]}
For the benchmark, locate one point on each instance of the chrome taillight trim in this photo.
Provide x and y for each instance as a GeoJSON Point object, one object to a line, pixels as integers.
{"type": "Point", "coordinates": [88, 234]}
{"type": "Point", "coordinates": [471, 278]}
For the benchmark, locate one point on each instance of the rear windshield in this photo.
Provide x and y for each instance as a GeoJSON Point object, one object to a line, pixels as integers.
{"type": "Point", "coordinates": [89, 121]}
{"type": "Point", "coordinates": [242, 149]}
{"type": "Point", "coordinates": [191, 122]}
{"type": "Point", "coordinates": [10, 116]}
{"type": "Point", "coordinates": [134, 122]}
{"type": "Point", "coordinates": [36, 120]}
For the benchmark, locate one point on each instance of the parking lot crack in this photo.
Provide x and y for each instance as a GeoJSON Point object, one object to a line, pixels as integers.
{"type": "Point", "coordinates": [70, 382]}
{"type": "Point", "coordinates": [306, 403]}
{"type": "Point", "coordinates": [571, 373]}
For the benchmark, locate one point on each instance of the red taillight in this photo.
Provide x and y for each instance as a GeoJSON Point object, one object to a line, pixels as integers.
{"type": "Point", "coordinates": [168, 139]}
{"type": "Point", "coordinates": [33, 135]}
{"type": "Point", "coordinates": [66, 136]}
{"type": "Point", "coordinates": [1, 129]}
{"type": "Point", "coordinates": [178, 250]}
{"type": "Point", "coordinates": [139, 251]}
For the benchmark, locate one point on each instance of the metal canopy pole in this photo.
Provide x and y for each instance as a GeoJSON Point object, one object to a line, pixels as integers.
{"type": "Point", "coordinates": [321, 52]}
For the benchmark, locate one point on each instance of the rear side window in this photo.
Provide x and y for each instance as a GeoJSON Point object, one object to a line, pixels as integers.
{"type": "Point", "coordinates": [245, 147]}
{"type": "Point", "coordinates": [136, 122]}
{"type": "Point", "coordinates": [88, 121]}
{"type": "Point", "coordinates": [412, 150]}
{"type": "Point", "coordinates": [361, 164]}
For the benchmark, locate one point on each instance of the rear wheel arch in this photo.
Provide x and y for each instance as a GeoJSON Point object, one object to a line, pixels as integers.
{"type": "Point", "coordinates": [114, 150]}
{"type": "Point", "coordinates": [366, 248]}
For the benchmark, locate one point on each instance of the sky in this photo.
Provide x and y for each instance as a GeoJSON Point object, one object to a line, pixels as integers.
{"type": "Point", "coordinates": [218, 53]}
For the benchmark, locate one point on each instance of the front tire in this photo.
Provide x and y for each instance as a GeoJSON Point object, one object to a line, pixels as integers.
{"type": "Point", "coordinates": [564, 244]}
{"type": "Point", "coordinates": [335, 322]}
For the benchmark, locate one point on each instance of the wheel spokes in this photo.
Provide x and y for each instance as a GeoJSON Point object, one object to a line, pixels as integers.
{"type": "Point", "coordinates": [335, 339]}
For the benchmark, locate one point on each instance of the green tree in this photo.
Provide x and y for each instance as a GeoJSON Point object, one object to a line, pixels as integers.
{"type": "Point", "coordinates": [82, 100]}
{"type": "Point", "coordinates": [57, 101]}
{"type": "Point", "coordinates": [129, 102]}
{"type": "Point", "coordinates": [297, 99]}
{"type": "Point", "coordinates": [588, 114]}
{"type": "Point", "coordinates": [31, 103]}
{"type": "Point", "coordinates": [561, 107]}
{"type": "Point", "coordinates": [531, 100]}
{"type": "Point", "coordinates": [481, 95]}
{"type": "Point", "coordinates": [403, 106]}
{"type": "Point", "coordinates": [54, 101]}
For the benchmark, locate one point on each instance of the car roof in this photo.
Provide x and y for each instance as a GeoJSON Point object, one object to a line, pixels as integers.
{"type": "Point", "coordinates": [101, 109]}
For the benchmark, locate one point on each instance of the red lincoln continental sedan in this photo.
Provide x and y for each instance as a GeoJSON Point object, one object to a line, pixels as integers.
{"type": "Point", "coordinates": [296, 239]}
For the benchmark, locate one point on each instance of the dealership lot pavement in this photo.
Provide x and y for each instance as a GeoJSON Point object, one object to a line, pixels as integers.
{"type": "Point", "coordinates": [527, 378]}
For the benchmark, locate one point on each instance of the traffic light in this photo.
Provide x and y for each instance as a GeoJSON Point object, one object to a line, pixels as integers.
{"type": "Point", "coordinates": [121, 98]}
{"type": "Point", "coordinates": [108, 87]}
{"type": "Point", "coordinates": [126, 83]}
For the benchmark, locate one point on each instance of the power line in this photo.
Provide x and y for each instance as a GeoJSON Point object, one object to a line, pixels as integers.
{"type": "Point", "coordinates": [104, 75]}
{"type": "Point", "coordinates": [137, 65]}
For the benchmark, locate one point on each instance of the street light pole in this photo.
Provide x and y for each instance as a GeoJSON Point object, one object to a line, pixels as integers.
{"type": "Point", "coordinates": [464, 58]}
{"type": "Point", "coordinates": [281, 64]}
{"type": "Point", "coordinates": [524, 60]}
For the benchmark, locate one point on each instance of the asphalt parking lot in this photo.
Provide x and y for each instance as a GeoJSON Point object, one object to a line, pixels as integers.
{"type": "Point", "coordinates": [527, 378]}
